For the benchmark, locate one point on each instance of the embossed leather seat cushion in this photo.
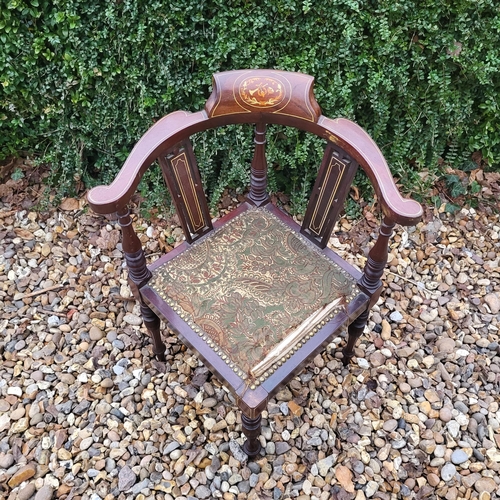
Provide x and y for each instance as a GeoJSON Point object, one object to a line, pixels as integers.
{"type": "Point", "coordinates": [250, 285]}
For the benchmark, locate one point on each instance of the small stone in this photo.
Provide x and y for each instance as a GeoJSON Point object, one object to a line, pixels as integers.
{"type": "Point", "coordinates": [396, 316]}
{"type": "Point", "coordinates": [132, 319]}
{"type": "Point", "coordinates": [18, 413]}
{"type": "Point", "coordinates": [6, 460]}
{"type": "Point", "coordinates": [203, 492]}
{"type": "Point", "coordinates": [386, 330]}
{"type": "Point", "coordinates": [377, 359]}
{"type": "Point", "coordinates": [237, 452]}
{"type": "Point", "coordinates": [306, 487]}
{"type": "Point", "coordinates": [405, 352]}
{"type": "Point", "coordinates": [296, 409]}
{"type": "Point", "coordinates": [27, 492]}
{"type": "Point", "coordinates": [445, 414]}
{"type": "Point", "coordinates": [86, 443]}
{"type": "Point", "coordinates": [209, 423]}
{"type": "Point", "coordinates": [487, 484]}
{"type": "Point", "coordinates": [15, 391]}
{"type": "Point", "coordinates": [453, 428]}
{"type": "Point", "coordinates": [371, 488]}
{"type": "Point", "coordinates": [126, 478]}
{"type": "Point", "coordinates": [493, 302]}
{"type": "Point", "coordinates": [319, 420]}
{"type": "Point", "coordinates": [95, 333]}
{"type": "Point", "coordinates": [362, 363]}
{"type": "Point", "coordinates": [459, 457]}
{"type": "Point", "coordinates": [448, 472]}
{"type": "Point", "coordinates": [282, 447]}
{"type": "Point", "coordinates": [284, 395]}
{"type": "Point", "coordinates": [445, 345]}
{"type": "Point", "coordinates": [253, 480]}
{"type": "Point", "coordinates": [428, 315]}
{"type": "Point", "coordinates": [23, 474]}
{"type": "Point", "coordinates": [432, 396]}
{"type": "Point", "coordinates": [390, 425]}
{"type": "Point", "coordinates": [405, 388]}
{"type": "Point", "coordinates": [462, 407]}
{"type": "Point", "coordinates": [326, 464]}
{"type": "Point", "coordinates": [44, 493]}
{"type": "Point", "coordinates": [433, 479]}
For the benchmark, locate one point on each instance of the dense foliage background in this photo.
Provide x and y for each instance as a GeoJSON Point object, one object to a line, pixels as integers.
{"type": "Point", "coordinates": [81, 81]}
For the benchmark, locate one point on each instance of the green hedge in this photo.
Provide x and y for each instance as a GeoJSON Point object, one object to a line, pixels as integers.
{"type": "Point", "coordinates": [82, 80]}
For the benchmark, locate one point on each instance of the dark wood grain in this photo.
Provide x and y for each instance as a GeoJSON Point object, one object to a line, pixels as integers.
{"type": "Point", "coordinates": [258, 90]}
{"type": "Point", "coordinates": [258, 171]}
{"type": "Point", "coordinates": [182, 177]}
{"type": "Point", "coordinates": [327, 198]}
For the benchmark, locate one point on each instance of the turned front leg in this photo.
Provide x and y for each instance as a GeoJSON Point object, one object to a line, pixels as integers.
{"type": "Point", "coordinates": [138, 276]}
{"type": "Point", "coordinates": [355, 330]}
{"type": "Point", "coordinates": [251, 429]}
{"type": "Point", "coordinates": [370, 283]}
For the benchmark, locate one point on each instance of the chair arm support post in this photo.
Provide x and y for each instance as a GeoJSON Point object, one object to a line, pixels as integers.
{"type": "Point", "coordinates": [377, 260]}
{"type": "Point", "coordinates": [138, 272]}
{"type": "Point", "coordinates": [258, 174]}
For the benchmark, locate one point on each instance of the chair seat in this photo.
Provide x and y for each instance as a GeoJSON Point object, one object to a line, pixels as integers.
{"type": "Point", "coordinates": [254, 290]}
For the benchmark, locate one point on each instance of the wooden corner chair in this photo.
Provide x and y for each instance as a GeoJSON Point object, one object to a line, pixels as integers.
{"type": "Point", "coordinates": [255, 295]}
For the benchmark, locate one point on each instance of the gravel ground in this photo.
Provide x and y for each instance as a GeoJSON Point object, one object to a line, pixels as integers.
{"type": "Point", "coordinates": [86, 412]}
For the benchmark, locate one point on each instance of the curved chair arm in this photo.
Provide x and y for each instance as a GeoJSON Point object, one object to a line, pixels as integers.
{"type": "Point", "coordinates": [361, 146]}
{"type": "Point", "coordinates": [162, 135]}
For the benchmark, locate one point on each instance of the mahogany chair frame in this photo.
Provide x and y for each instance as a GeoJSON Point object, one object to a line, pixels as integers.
{"type": "Point", "coordinates": [258, 97]}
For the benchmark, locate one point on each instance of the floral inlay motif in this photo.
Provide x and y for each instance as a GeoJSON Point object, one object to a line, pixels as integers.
{"type": "Point", "coordinates": [262, 92]}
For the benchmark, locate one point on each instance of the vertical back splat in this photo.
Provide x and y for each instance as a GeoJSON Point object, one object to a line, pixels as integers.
{"type": "Point", "coordinates": [182, 177]}
{"type": "Point", "coordinates": [328, 195]}
{"type": "Point", "coordinates": [258, 175]}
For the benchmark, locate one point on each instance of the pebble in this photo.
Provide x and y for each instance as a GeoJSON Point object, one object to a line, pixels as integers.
{"type": "Point", "coordinates": [23, 474]}
{"type": "Point", "coordinates": [26, 492]}
{"type": "Point", "coordinates": [448, 472]}
{"type": "Point", "coordinates": [95, 333]}
{"type": "Point", "coordinates": [445, 414]}
{"type": "Point", "coordinates": [126, 478]}
{"type": "Point", "coordinates": [445, 345]}
{"type": "Point", "coordinates": [396, 316]}
{"type": "Point", "coordinates": [459, 457]}
{"type": "Point", "coordinates": [132, 319]}
{"type": "Point", "coordinates": [6, 460]}
{"type": "Point", "coordinates": [485, 484]}
{"type": "Point", "coordinates": [44, 493]}
{"type": "Point", "coordinates": [493, 301]}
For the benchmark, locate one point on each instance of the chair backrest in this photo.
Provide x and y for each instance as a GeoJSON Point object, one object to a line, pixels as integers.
{"type": "Point", "coordinates": [260, 97]}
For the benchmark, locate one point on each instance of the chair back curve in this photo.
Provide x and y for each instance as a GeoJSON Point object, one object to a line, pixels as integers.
{"type": "Point", "coordinates": [260, 97]}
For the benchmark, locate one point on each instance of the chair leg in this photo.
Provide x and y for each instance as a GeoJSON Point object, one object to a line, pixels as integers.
{"type": "Point", "coordinates": [152, 322]}
{"type": "Point", "coordinates": [355, 330]}
{"type": "Point", "coordinates": [251, 429]}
